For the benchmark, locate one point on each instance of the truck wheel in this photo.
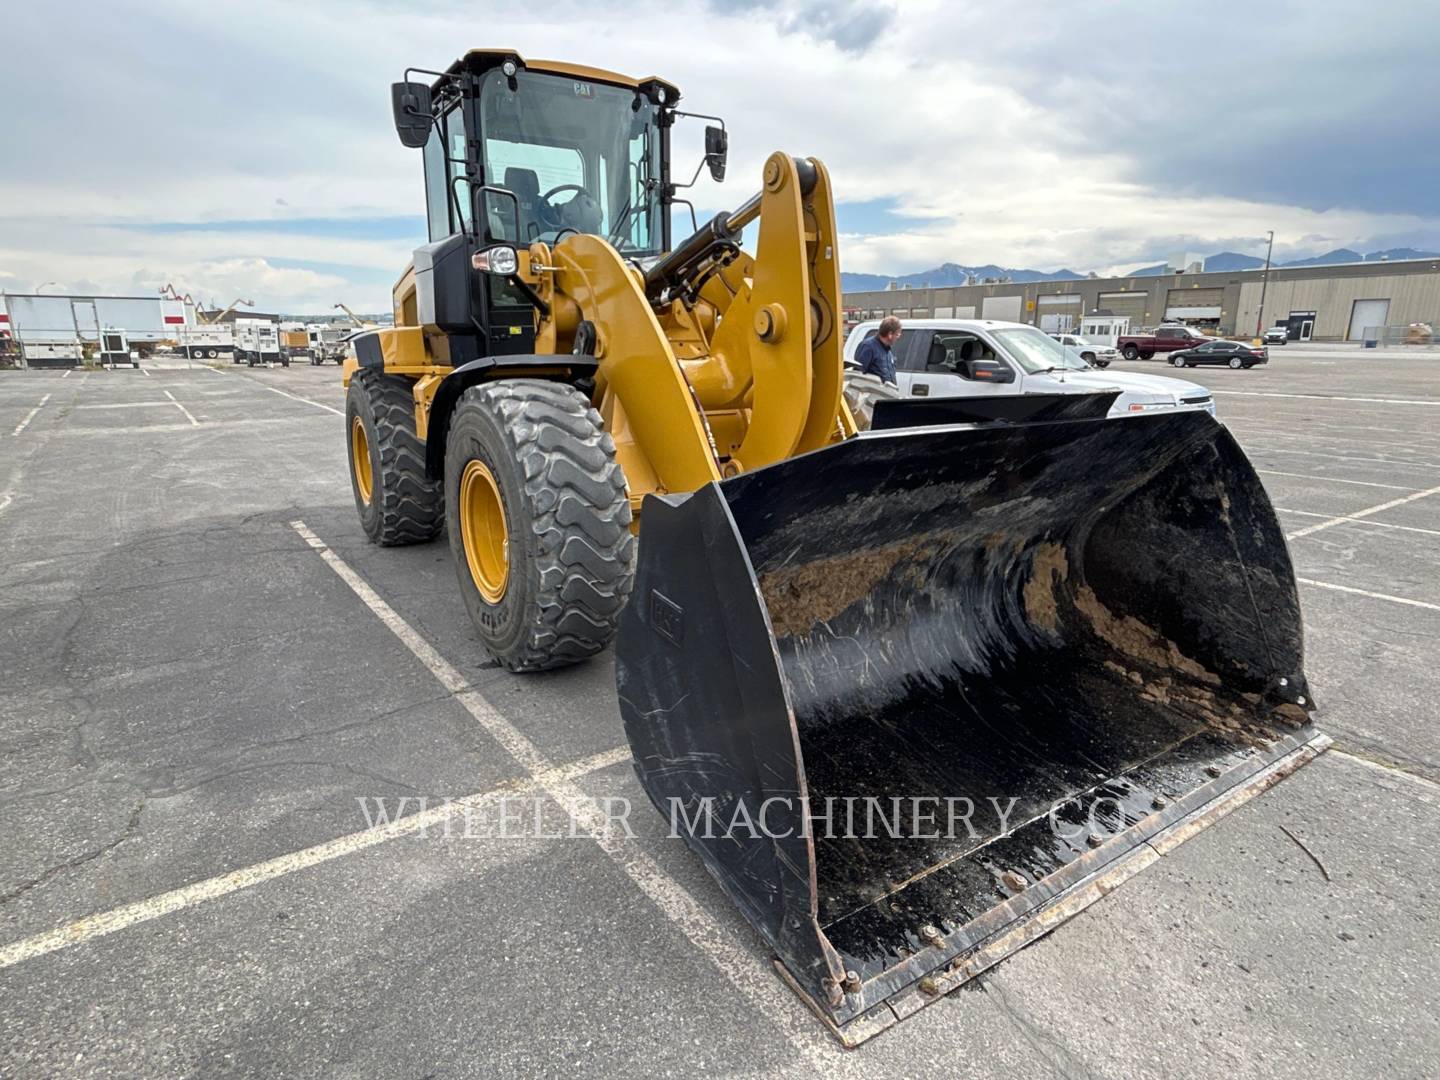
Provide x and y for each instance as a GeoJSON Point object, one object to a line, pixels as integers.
{"type": "Point", "coordinates": [397, 502]}
{"type": "Point", "coordinates": [539, 522]}
{"type": "Point", "coordinates": [1130, 352]}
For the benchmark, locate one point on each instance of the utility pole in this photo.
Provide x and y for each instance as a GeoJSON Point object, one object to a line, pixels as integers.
{"type": "Point", "coordinates": [1264, 281]}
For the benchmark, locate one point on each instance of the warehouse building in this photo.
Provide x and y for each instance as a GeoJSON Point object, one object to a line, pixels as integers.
{"type": "Point", "coordinates": [1319, 303]}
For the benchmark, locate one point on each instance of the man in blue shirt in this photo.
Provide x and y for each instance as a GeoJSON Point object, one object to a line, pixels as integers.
{"type": "Point", "coordinates": [874, 354]}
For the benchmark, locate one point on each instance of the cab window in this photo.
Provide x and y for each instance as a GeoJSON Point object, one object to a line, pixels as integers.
{"type": "Point", "coordinates": [455, 137]}
{"type": "Point", "coordinates": [437, 203]}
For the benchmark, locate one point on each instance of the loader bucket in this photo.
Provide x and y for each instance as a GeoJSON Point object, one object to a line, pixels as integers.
{"type": "Point", "coordinates": [916, 698]}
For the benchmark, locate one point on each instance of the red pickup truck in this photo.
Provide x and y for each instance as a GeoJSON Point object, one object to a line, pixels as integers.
{"type": "Point", "coordinates": [1162, 339]}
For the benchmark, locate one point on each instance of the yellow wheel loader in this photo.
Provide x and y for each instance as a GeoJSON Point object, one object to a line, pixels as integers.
{"type": "Point", "coordinates": [913, 695]}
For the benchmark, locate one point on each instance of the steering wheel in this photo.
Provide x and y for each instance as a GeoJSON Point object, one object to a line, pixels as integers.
{"type": "Point", "coordinates": [549, 212]}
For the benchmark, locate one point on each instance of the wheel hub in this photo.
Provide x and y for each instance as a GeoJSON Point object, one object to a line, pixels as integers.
{"type": "Point", "coordinates": [360, 458]}
{"type": "Point", "coordinates": [483, 532]}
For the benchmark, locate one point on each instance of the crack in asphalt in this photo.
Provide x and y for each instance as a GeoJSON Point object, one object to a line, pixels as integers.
{"type": "Point", "coordinates": [1054, 1051]}
{"type": "Point", "coordinates": [131, 827]}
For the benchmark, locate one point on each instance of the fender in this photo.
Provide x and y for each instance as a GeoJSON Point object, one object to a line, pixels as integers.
{"type": "Point", "coordinates": [558, 367]}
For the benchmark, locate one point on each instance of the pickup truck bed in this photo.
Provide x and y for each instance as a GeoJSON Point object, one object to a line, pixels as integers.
{"type": "Point", "coordinates": [1162, 339]}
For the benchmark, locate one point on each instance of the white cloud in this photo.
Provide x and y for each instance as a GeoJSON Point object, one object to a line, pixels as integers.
{"type": "Point", "coordinates": [998, 140]}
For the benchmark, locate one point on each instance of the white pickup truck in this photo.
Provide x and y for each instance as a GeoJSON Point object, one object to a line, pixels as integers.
{"type": "Point", "coordinates": [974, 357]}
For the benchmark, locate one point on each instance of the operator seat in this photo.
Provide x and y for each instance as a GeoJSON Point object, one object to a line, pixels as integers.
{"type": "Point", "coordinates": [526, 186]}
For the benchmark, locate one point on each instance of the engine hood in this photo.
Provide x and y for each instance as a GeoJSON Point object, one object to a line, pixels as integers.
{"type": "Point", "coordinates": [1153, 386]}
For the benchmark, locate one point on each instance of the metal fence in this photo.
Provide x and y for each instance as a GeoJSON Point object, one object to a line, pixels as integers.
{"type": "Point", "coordinates": [1412, 335]}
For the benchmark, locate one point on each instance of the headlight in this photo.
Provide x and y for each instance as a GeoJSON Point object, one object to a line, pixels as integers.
{"type": "Point", "coordinates": [500, 259]}
{"type": "Point", "coordinates": [1150, 406]}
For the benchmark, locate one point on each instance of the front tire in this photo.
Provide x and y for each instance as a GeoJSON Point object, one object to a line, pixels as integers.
{"type": "Point", "coordinates": [398, 504]}
{"type": "Point", "coordinates": [539, 522]}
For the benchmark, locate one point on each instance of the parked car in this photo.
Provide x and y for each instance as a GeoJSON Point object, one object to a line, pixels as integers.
{"type": "Point", "coordinates": [1235, 354]}
{"type": "Point", "coordinates": [1099, 355]}
{"type": "Point", "coordinates": [1162, 339]}
{"type": "Point", "coordinates": [1277, 335]}
{"type": "Point", "coordinates": [974, 357]}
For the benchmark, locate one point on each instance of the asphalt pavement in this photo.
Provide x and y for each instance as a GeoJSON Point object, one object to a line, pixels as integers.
{"type": "Point", "coordinates": [212, 682]}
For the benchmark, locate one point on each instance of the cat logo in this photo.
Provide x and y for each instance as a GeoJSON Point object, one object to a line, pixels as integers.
{"type": "Point", "coordinates": [583, 89]}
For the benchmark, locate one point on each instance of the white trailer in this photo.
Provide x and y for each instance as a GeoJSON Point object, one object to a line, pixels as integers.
{"type": "Point", "coordinates": [205, 342]}
{"type": "Point", "coordinates": [59, 353]}
{"type": "Point", "coordinates": [257, 341]}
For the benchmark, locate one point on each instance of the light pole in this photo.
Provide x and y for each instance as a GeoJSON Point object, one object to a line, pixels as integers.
{"type": "Point", "coordinates": [1264, 281]}
{"type": "Point", "coordinates": [43, 284]}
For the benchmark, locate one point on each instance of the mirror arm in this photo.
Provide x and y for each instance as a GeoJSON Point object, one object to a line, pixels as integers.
{"type": "Point", "coordinates": [530, 294]}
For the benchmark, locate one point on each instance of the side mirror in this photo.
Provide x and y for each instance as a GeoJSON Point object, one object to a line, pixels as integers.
{"type": "Point", "coordinates": [411, 104]}
{"type": "Point", "coordinates": [492, 222]}
{"type": "Point", "coordinates": [991, 371]}
{"type": "Point", "coordinates": [717, 148]}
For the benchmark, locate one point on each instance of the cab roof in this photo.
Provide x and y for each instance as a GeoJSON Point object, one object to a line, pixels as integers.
{"type": "Point", "coordinates": [484, 59]}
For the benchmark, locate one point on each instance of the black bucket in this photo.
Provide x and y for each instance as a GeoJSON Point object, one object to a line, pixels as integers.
{"type": "Point", "coordinates": [916, 697]}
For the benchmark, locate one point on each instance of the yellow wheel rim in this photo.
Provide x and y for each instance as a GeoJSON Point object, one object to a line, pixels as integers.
{"type": "Point", "coordinates": [360, 459]}
{"type": "Point", "coordinates": [483, 531]}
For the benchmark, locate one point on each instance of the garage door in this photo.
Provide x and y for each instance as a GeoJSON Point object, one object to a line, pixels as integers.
{"type": "Point", "coordinates": [1128, 305]}
{"type": "Point", "coordinates": [1058, 313]}
{"type": "Point", "coordinates": [1367, 313]}
{"type": "Point", "coordinates": [1004, 308]}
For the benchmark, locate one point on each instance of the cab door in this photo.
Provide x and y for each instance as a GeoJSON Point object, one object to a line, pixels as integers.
{"type": "Point", "coordinates": [912, 345]}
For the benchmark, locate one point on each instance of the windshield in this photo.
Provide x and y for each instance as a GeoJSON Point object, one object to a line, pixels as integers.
{"type": "Point", "coordinates": [1036, 351]}
{"type": "Point", "coordinates": [581, 157]}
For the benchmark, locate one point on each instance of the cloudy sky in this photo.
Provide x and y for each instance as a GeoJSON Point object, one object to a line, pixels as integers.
{"type": "Point", "coordinates": [247, 149]}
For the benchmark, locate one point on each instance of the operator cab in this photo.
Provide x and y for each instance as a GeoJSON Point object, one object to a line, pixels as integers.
{"type": "Point", "coordinates": [519, 152]}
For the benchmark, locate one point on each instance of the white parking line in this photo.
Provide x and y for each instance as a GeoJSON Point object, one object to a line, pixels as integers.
{"type": "Point", "coordinates": [1373, 595]}
{"type": "Point", "coordinates": [1332, 441]}
{"type": "Point", "coordinates": [182, 408]}
{"type": "Point", "coordinates": [1332, 522]}
{"type": "Point", "coordinates": [737, 963]}
{"type": "Point", "coordinates": [1389, 770]}
{"type": "Point", "coordinates": [166, 903]}
{"type": "Point", "coordinates": [67, 373]}
{"type": "Point", "coordinates": [31, 415]}
{"type": "Point", "coordinates": [307, 401]}
{"type": "Point", "coordinates": [1331, 397]}
{"type": "Point", "coordinates": [144, 372]}
{"type": "Point", "coordinates": [1333, 479]}
{"type": "Point", "coordinates": [130, 405]}
{"type": "Point", "coordinates": [1364, 521]}
{"type": "Point", "coordinates": [1392, 462]}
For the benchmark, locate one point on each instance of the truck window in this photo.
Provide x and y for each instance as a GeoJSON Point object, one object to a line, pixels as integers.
{"type": "Point", "coordinates": [949, 349]}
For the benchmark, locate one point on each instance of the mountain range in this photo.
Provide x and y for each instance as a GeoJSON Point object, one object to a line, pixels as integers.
{"type": "Point", "coordinates": [955, 274]}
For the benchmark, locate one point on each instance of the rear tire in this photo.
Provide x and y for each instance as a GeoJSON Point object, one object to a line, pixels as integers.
{"type": "Point", "coordinates": [1236, 363]}
{"type": "Point", "coordinates": [1130, 352]}
{"type": "Point", "coordinates": [529, 460]}
{"type": "Point", "coordinates": [398, 504]}
{"type": "Point", "coordinates": [1179, 361]}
